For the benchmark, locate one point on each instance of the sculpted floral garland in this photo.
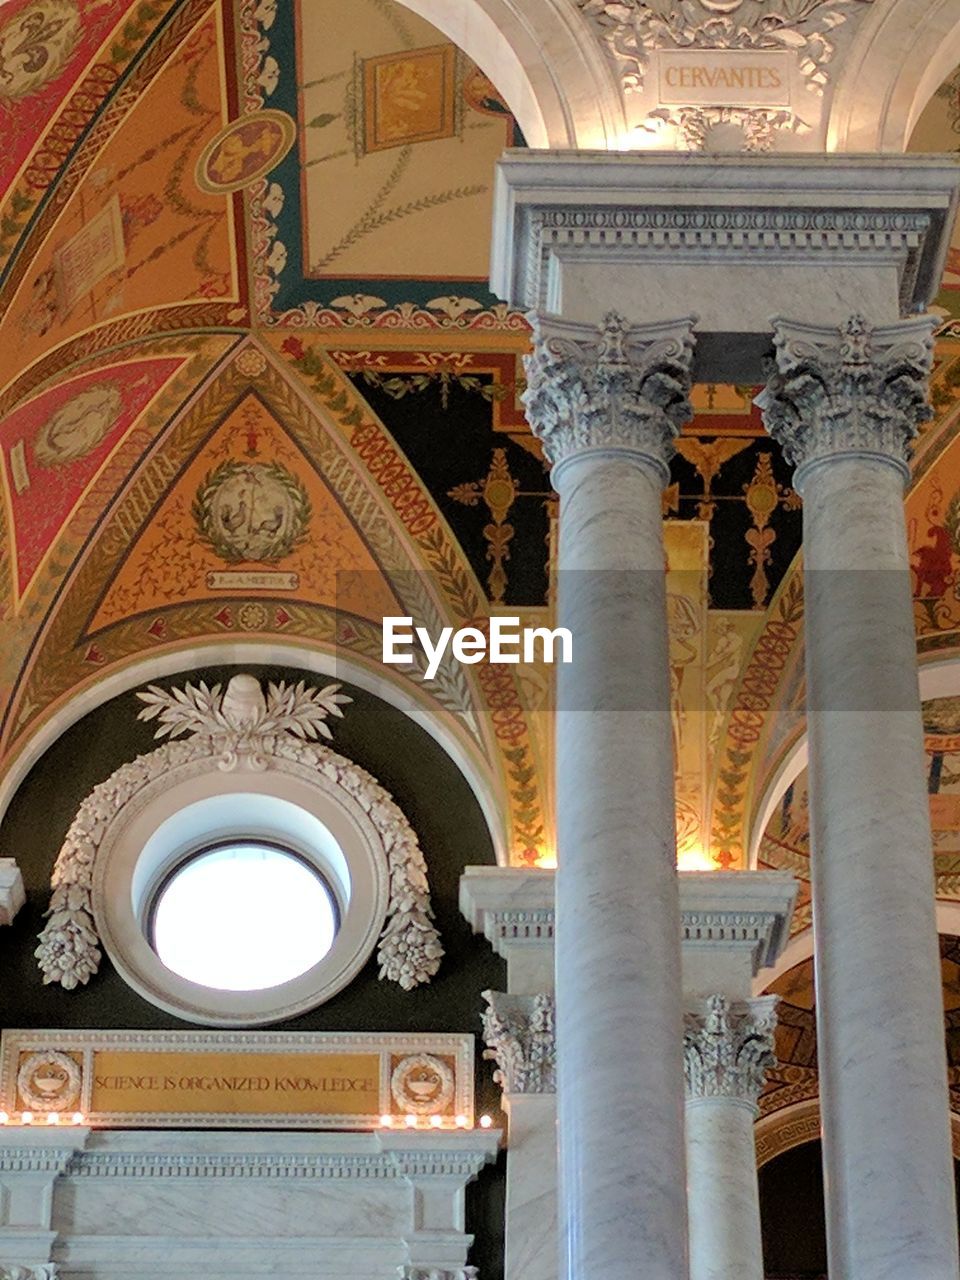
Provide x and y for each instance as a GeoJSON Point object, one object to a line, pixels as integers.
{"type": "Point", "coordinates": [240, 725]}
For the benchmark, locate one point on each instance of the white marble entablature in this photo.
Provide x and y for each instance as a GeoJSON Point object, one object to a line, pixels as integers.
{"type": "Point", "coordinates": [578, 235]}
{"type": "Point", "coordinates": [747, 912]}
{"type": "Point", "coordinates": [104, 1205]}
{"type": "Point", "coordinates": [12, 894]}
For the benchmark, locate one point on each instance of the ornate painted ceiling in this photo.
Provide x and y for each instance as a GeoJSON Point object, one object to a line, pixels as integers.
{"type": "Point", "coordinates": [254, 388]}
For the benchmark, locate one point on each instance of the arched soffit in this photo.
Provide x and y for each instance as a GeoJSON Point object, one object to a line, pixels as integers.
{"type": "Point", "coordinates": [371, 677]}
{"type": "Point", "coordinates": [543, 58]}
{"type": "Point", "coordinates": [800, 947]}
{"type": "Point", "coordinates": [939, 678]}
{"type": "Point", "coordinates": [902, 53]}
{"type": "Point", "coordinates": [790, 1127]}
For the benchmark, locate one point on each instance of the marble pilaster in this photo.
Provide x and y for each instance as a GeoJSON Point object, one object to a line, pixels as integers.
{"type": "Point", "coordinates": [607, 403]}
{"type": "Point", "coordinates": [845, 403]}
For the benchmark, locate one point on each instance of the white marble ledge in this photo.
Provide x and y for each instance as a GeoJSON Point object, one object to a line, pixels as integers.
{"type": "Point", "coordinates": [744, 909]}
{"type": "Point", "coordinates": [383, 1154]}
{"type": "Point", "coordinates": [12, 894]}
{"type": "Point", "coordinates": [510, 906]}
{"type": "Point", "coordinates": [531, 182]}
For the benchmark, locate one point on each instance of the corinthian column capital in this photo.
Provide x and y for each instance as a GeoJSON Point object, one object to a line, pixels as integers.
{"type": "Point", "coordinates": [856, 390]}
{"type": "Point", "coordinates": [614, 387]}
{"type": "Point", "coordinates": [728, 1047]}
{"type": "Point", "coordinates": [521, 1039]}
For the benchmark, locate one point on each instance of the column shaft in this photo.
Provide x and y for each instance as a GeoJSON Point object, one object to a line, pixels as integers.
{"type": "Point", "coordinates": [607, 402]}
{"type": "Point", "coordinates": [890, 1193]}
{"type": "Point", "coordinates": [725, 1240]}
{"type": "Point", "coordinates": [845, 404]}
{"type": "Point", "coordinates": [620, 1069]}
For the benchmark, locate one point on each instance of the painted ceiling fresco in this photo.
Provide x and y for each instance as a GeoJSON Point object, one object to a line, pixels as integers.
{"type": "Point", "coordinates": [254, 386]}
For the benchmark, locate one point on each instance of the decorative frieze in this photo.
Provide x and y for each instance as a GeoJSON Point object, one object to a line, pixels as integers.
{"type": "Point", "coordinates": [617, 387]}
{"type": "Point", "coordinates": [856, 390]}
{"type": "Point", "coordinates": [43, 1271]}
{"type": "Point", "coordinates": [520, 1032]}
{"type": "Point", "coordinates": [747, 54]}
{"type": "Point", "coordinates": [728, 1047]}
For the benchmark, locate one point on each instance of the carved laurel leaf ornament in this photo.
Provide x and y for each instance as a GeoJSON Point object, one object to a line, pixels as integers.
{"type": "Point", "coordinates": [233, 727]}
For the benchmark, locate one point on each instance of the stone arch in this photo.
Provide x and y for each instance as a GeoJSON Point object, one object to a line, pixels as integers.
{"type": "Point", "coordinates": [543, 57]}
{"type": "Point", "coordinates": [337, 665]}
{"type": "Point", "coordinates": [938, 678]}
{"type": "Point", "coordinates": [903, 52]}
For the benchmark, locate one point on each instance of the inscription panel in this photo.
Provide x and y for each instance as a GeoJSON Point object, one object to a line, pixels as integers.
{"type": "Point", "coordinates": [725, 78]}
{"type": "Point", "coordinates": [236, 1079]}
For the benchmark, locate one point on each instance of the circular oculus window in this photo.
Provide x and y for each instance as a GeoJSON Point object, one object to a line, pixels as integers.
{"type": "Point", "coordinates": [243, 915]}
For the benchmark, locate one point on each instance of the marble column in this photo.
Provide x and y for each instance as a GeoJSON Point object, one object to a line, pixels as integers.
{"type": "Point", "coordinates": [845, 403]}
{"type": "Point", "coordinates": [607, 403]}
{"type": "Point", "coordinates": [728, 1046]}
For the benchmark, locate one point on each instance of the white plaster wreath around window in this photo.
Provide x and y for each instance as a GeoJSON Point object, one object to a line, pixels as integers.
{"type": "Point", "coordinates": [240, 768]}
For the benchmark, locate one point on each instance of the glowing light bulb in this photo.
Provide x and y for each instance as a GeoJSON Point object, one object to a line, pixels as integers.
{"type": "Point", "coordinates": [26, 1117]}
{"type": "Point", "coordinates": [53, 1117]}
{"type": "Point", "coordinates": [411, 1122]}
{"type": "Point", "coordinates": [4, 1118]}
{"type": "Point", "coordinates": [77, 1117]}
{"type": "Point", "coordinates": [461, 1122]}
{"type": "Point", "coordinates": [485, 1122]}
{"type": "Point", "coordinates": [386, 1122]}
{"type": "Point", "coordinates": [436, 1121]}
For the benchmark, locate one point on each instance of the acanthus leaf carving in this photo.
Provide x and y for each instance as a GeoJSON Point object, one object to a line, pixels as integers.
{"type": "Point", "coordinates": [855, 390]}
{"type": "Point", "coordinates": [240, 725]}
{"type": "Point", "coordinates": [728, 1047]}
{"type": "Point", "coordinates": [520, 1032]}
{"type": "Point", "coordinates": [616, 386]}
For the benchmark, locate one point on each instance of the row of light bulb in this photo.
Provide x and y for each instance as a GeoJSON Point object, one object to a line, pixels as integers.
{"type": "Point", "coordinates": [386, 1122]}
{"type": "Point", "coordinates": [50, 1117]}
{"type": "Point", "coordinates": [433, 1122]}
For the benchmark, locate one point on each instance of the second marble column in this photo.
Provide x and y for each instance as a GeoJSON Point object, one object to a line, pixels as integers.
{"type": "Point", "coordinates": [607, 403]}
{"type": "Point", "coordinates": [845, 403]}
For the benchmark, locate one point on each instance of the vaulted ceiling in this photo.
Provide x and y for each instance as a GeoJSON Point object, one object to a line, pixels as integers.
{"type": "Point", "coordinates": [254, 388]}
